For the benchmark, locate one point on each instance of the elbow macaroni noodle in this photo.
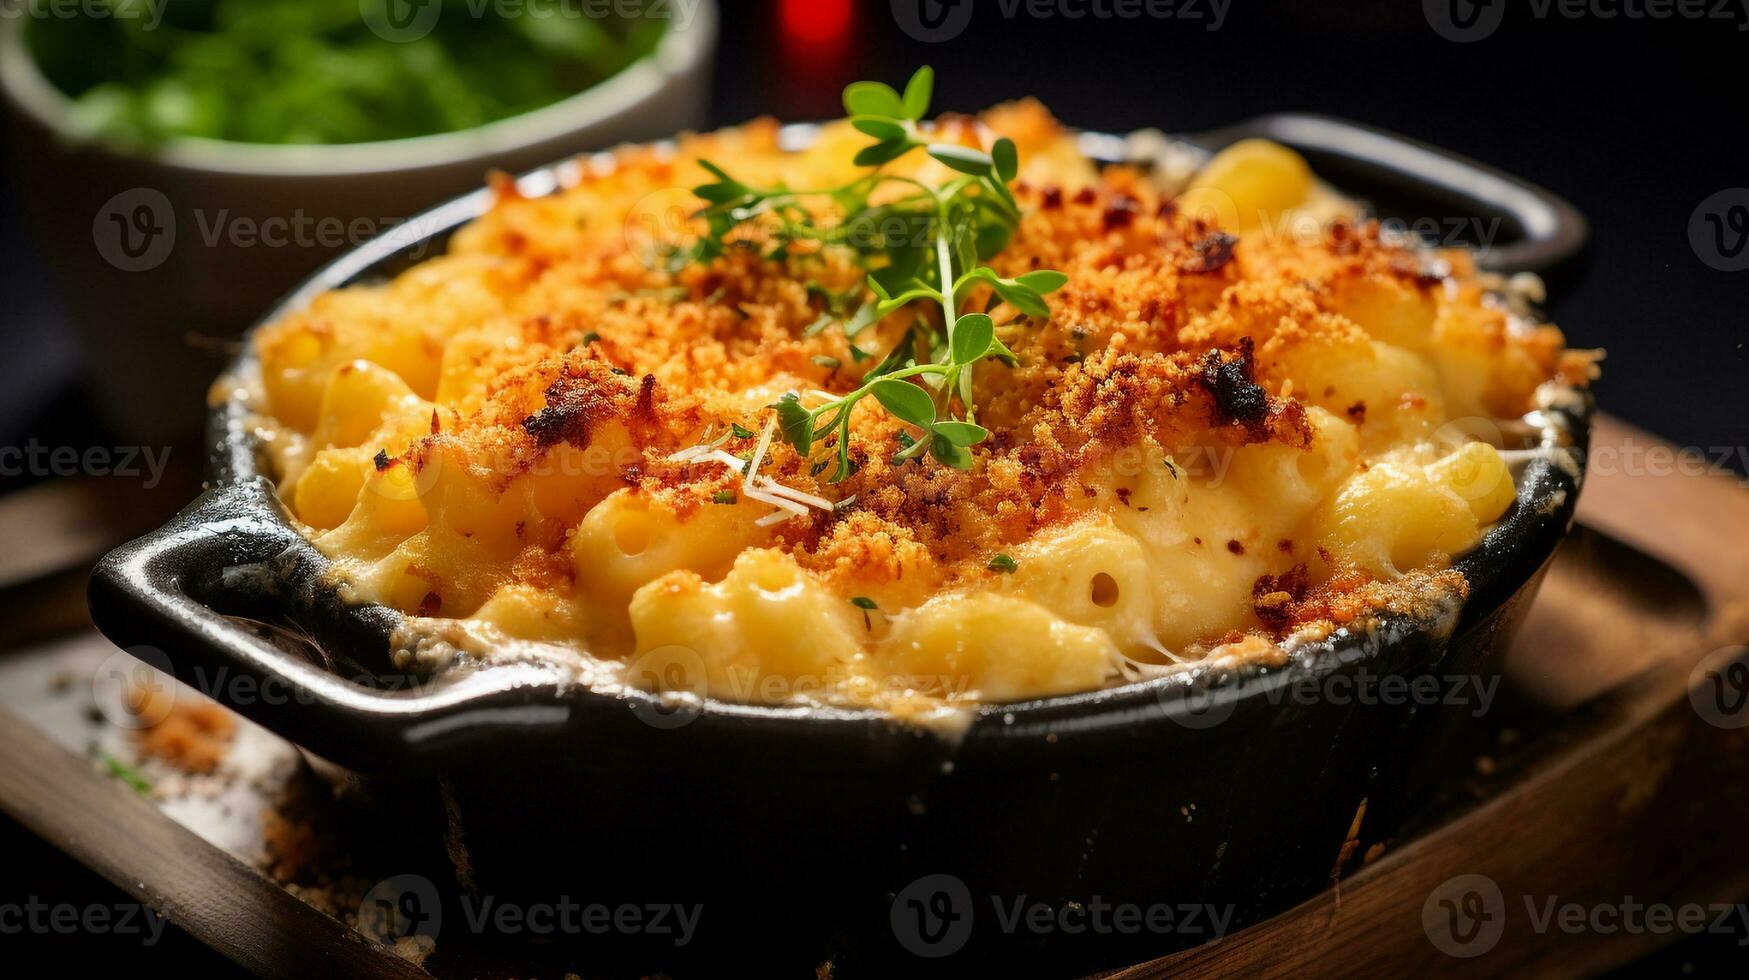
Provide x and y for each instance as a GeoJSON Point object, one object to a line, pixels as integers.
{"type": "Point", "coordinates": [485, 440]}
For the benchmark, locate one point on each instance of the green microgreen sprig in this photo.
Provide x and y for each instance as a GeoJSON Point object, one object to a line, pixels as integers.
{"type": "Point", "coordinates": [928, 245]}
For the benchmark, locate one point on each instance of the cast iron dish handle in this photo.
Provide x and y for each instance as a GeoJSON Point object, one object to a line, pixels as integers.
{"type": "Point", "coordinates": [161, 597]}
{"type": "Point", "coordinates": [1355, 156]}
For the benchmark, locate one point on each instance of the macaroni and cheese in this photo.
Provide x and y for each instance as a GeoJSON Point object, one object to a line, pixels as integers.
{"type": "Point", "coordinates": [1249, 417]}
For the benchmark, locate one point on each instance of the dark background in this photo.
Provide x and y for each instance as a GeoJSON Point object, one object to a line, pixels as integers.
{"type": "Point", "coordinates": [1635, 121]}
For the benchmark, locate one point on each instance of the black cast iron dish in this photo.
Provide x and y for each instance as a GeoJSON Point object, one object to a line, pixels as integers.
{"type": "Point", "coordinates": [1213, 788]}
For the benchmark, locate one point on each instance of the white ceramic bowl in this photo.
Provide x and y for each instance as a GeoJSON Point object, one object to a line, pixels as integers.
{"type": "Point", "coordinates": [169, 253]}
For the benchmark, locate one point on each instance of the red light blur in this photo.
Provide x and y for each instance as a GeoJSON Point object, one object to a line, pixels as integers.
{"type": "Point", "coordinates": [815, 21]}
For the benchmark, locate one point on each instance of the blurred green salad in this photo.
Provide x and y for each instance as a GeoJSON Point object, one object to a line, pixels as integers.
{"type": "Point", "coordinates": [328, 71]}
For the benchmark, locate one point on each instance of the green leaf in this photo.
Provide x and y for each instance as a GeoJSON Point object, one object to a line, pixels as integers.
{"type": "Point", "coordinates": [827, 361]}
{"type": "Point", "coordinates": [741, 432]}
{"type": "Point", "coordinates": [906, 401]}
{"type": "Point", "coordinates": [943, 449]}
{"type": "Point", "coordinates": [962, 158]}
{"type": "Point", "coordinates": [1042, 281]}
{"type": "Point", "coordinates": [1000, 352]}
{"type": "Point", "coordinates": [723, 497]}
{"type": "Point", "coordinates": [825, 428]}
{"type": "Point", "coordinates": [863, 602]}
{"type": "Point", "coordinates": [918, 93]}
{"type": "Point", "coordinates": [972, 335]}
{"type": "Point", "coordinates": [880, 127]}
{"type": "Point", "coordinates": [876, 154]}
{"type": "Point", "coordinates": [127, 774]}
{"type": "Point", "coordinates": [720, 193]}
{"type": "Point", "coordinates": [965, 246]}
{"type": "Point", "coordinates": [872, 99]}
{"type": "Point", "coordinates": [1006, 158]}
{"type": "Point", "coordinates": [794, 422]}
{"type": "Point", "coordinates": [865, 316]}
{"type": "Point", "coordinates": [961, 433]}
{"type": "Point", "coordinates": [846, 466]}
{"type": "Point", "coordinates": [1002, 563]}
{"type": "Point", "coordinates": [1022, 298]}
{"type": "Point", "coordinates": [908, 296]}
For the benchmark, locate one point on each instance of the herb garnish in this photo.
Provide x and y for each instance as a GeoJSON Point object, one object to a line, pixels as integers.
{"type": "Point", "coordinates": [949, 230]}
{"type": "Point", "coordinates": [126, 773]}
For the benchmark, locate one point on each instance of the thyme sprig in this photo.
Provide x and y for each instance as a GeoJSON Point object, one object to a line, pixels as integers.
{"type": "Point", "coordinates": [928, 245]}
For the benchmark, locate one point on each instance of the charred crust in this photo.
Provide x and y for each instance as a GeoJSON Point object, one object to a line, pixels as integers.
{"type": "Point", "coordinates": [1273, 597]}
{"type": "Point", "coordinates": [1119, 213]}
{"type": "Point", "coordinates": [1208, 253]}
{"type": "Point", "coordinates": [1238, 399]}
{"type": "Point", "coordinates": [575, 402]}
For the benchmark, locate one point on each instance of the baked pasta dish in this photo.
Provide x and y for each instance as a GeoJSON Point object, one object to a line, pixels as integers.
{"type": "Point", "coordinates": [920, 413]}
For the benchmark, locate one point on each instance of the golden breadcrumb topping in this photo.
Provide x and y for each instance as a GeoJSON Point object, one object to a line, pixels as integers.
{"type": "Point", "coordinates": [560, 353]}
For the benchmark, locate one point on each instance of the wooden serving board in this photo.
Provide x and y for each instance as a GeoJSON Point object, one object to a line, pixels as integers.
{"type": "Point", "coordinates": [1610, 771]}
